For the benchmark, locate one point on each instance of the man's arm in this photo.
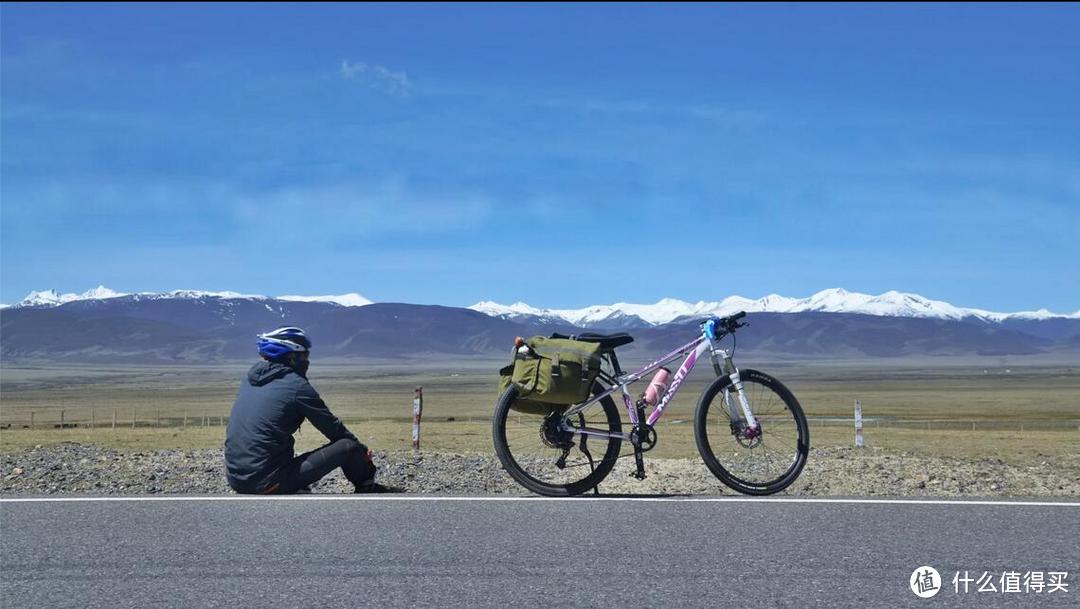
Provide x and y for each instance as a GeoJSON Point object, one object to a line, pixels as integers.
{"type": "Point", "coordinates": [316, 411]}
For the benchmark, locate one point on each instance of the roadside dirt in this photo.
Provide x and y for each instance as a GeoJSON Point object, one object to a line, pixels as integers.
{"type": "Point", "coordinates": [92, 470]}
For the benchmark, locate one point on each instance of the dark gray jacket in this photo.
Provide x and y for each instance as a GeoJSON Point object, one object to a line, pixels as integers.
{"type": "Point", "coordinates": [272, 402]}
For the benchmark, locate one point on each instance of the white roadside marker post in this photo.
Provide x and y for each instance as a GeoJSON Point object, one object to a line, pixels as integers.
{"type": "Point", "coordinates": [858, 425]}
{"type": "Point", "coordinates": [417, 411]}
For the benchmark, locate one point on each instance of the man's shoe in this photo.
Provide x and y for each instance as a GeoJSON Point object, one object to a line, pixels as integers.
{"type": "Point", "coordinates": [375, 487]}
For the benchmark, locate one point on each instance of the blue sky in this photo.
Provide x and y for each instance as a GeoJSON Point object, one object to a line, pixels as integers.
{"type": "Point", "coordinates": [560, 155]}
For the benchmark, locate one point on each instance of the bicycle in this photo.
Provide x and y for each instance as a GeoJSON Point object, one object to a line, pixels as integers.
{"type": "Point", "coordinates": [749, 429]}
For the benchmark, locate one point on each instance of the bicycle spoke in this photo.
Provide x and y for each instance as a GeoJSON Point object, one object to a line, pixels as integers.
{"type": "Point", "coordinates": [752, 463]}
{"type": "Point", "coordinates": [544, 454]}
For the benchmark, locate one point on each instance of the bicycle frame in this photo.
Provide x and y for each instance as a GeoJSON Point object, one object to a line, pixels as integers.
{"type": "Point", "coordinates": [693, 351]}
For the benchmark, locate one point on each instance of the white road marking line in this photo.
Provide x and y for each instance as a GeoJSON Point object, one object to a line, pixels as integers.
{"type": "Point", "coordinates": [539, 499]}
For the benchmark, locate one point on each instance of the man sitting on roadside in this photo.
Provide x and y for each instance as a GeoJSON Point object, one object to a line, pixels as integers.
{"type": "Point", "coordinates": [273, 401]}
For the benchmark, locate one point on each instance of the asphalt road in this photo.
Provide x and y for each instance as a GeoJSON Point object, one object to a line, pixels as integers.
{"type": "Point", "coordinates": [404, 552]}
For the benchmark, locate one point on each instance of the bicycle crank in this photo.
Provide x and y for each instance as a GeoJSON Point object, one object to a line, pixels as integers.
{"type": "Point", "coordinates": [643, 437]}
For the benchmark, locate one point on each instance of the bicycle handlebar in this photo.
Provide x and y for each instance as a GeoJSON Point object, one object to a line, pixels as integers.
{"type": "Point", "coordinates": [726, 324]}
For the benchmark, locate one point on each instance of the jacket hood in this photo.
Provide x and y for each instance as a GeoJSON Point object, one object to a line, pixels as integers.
{"type": "Point", "coordinates": [263, 372]}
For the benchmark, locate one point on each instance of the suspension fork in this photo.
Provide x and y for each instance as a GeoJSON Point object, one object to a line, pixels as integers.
{"type": "Point", "coordinates": [724, 366]}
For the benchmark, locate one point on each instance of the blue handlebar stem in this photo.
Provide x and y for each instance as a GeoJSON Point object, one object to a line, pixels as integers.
{"type": "Point", "coordinates": [710, 329]}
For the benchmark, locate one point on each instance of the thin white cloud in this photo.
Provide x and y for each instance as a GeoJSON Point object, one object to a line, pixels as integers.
{"type": "Point", "coordinates": [710, 113]}
{"type": "Point", "coordinates": [333, 209]}
{"type": "Point", "coordinates": [377, 77]}
{"type": "Point", "coordinates": [363, 209]}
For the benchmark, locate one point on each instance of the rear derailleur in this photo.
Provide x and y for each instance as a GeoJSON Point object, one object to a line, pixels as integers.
{"type": "Point", "coordinates": [554, 433]}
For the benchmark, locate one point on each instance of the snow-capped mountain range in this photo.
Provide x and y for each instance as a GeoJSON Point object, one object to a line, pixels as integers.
{"type": "Point", "coordinates": [889, 304]}
{"type": "Point", "coordinates": [52, 298]}
{"type": "Point", "coordinates": [667, 310]}
{"type": "Point", "coordinates": [103, 325]}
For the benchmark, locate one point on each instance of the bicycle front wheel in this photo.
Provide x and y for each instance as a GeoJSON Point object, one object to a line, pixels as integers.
{"type": "Point", "coordinates": [752, 463]}
{"type": "Point", "coordinates": [539, 452]}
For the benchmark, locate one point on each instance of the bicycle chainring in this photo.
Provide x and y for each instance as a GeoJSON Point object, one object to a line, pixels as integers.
{"type": "Point", "coordinates": [646, 436]}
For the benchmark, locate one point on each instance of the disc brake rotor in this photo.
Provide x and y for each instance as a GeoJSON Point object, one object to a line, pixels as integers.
{"type": "Point", "coordinates": [749, 437]}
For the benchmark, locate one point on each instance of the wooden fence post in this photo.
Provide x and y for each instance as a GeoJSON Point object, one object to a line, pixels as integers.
{"type": "Point", "coordinates": [114, 419]}
{"type": "Point", "coordinates": [61, 418]}
{"type": "Point", "coordinates": [418, 410]}
{"type": "Point", "coordinates": [91, 418]}
{"type": "Point", "coordinates": [858, 424]}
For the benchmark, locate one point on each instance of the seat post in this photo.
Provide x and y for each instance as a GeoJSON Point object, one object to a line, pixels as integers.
{"type": "Point", "coordinates": [614, 362]}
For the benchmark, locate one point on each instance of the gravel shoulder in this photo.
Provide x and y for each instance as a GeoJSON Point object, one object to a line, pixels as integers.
{"type": "Point", "coordinates": [85, 469]}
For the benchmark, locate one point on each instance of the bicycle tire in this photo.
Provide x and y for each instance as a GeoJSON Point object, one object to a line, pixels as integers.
{"type": "Point", "coordinates": [765, 394]}
{"type": "Point", "coordinates": [522, 466]}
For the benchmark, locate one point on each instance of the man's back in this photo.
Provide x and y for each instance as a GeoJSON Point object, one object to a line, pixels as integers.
{"type": "Point", "coordinates": [264, 418]}
{"type": "Point", "coordinates": [274, 398]}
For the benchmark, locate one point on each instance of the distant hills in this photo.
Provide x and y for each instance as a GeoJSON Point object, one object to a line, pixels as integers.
{"type": "Point", "coordinates": [191, 326]}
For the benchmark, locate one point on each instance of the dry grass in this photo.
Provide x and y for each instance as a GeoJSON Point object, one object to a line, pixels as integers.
{"type": "Point", "coordinates": [675, 440]}
{"type": "Point", "coordinates": [377, 401]}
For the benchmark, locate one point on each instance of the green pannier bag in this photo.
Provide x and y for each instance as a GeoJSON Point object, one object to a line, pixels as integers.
{"type": "Point", "coordinates": [555, 373]}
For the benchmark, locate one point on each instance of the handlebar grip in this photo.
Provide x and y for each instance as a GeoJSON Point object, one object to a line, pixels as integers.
{"type": "Point", "coordinates": [731, 322]}
{"type": "Point", "coordinates": [724, 324]}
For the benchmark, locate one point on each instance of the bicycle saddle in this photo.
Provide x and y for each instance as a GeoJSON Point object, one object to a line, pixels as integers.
{"type": "Point", "coordinates": [607, 341]}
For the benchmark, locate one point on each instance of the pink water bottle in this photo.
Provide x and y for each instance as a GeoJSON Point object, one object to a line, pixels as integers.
{"type": "Point", "coordinates": [658, 386]}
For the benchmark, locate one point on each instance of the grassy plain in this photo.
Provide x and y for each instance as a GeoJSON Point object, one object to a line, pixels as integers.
{"type": "Point", "coordinates": [965, 411]}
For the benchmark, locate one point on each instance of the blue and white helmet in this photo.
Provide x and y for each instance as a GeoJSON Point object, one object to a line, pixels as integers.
{"type": "Point", "coordinates": [282, 341]}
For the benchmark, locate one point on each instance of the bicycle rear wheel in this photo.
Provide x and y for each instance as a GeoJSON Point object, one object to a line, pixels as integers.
{"type": "Point", "coordinates": [541, 456]}
{"type": "Point", "coordinates": [752, 464]}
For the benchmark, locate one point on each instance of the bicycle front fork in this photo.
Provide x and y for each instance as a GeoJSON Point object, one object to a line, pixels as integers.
{"type": "Point", "coordinates": [742, 417]}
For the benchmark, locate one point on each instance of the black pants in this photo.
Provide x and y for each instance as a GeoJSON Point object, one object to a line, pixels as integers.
{"type": "Point", "coordinates": [349, 455]}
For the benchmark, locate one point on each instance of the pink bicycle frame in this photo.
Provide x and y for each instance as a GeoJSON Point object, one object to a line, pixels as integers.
{"type": "Point", "coordinates": [693, 350]}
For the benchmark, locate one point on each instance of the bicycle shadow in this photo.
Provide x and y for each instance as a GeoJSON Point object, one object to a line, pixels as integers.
{"type": "Point", "coordinates": [603, 495]}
